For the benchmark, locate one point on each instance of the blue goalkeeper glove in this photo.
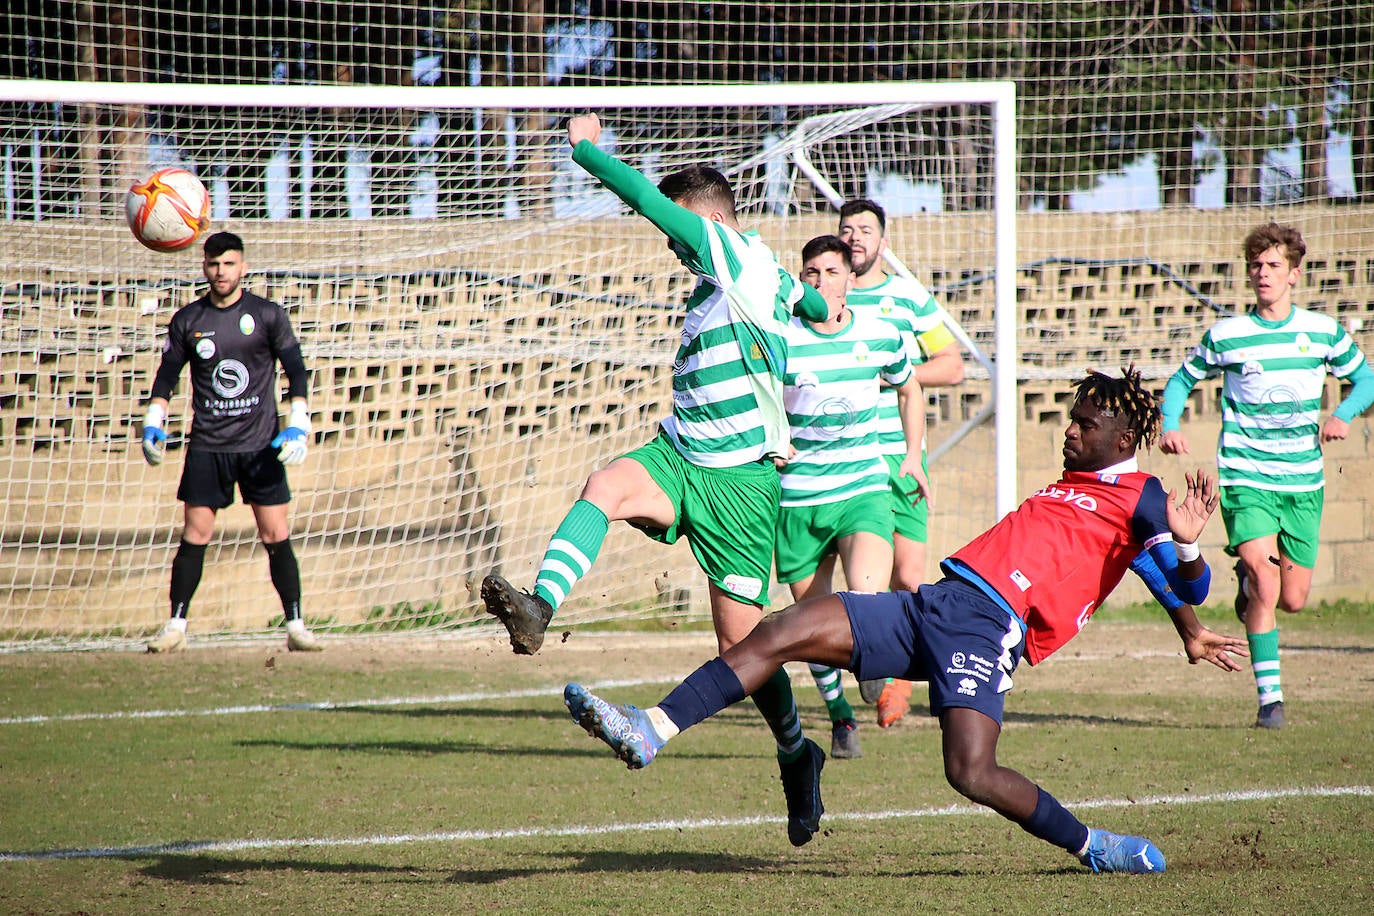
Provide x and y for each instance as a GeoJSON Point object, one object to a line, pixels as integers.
{"type": "Point", "coordinates": [153, 434]}
{"type": "Point", "coordinates": [293, 441]}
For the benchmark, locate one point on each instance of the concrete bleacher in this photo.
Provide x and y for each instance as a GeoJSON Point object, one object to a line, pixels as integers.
{"type": "Point", "coordinates": [458, 408]}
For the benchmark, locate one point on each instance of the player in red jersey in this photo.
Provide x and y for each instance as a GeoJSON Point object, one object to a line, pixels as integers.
{"type": "Point", "coordinates": [1027, 585]}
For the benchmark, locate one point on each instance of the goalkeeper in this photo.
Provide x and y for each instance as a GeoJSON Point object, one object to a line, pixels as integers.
{"type": "Point", "coordinates": [233, 340]}
{"type": "Point", "coordinates": [709, 474]}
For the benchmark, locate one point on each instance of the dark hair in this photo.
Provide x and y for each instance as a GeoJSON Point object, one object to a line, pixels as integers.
{"type": "Point", "coordinates": [220, 242]}
{"type": "Point", "coordinates": [1274, 235]}
{"type": "Point", "coordinates": [854, 207]}
{"type": "Point", "coordinates": [699, 185]}
{"type": "Point", "coordinates": [823, 243]}
{"type": "Point", "coordinates": [1126, 395]}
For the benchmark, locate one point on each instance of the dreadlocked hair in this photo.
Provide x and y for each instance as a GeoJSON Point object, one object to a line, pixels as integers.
{"type": "Point", "coordinates": [1125, 395]}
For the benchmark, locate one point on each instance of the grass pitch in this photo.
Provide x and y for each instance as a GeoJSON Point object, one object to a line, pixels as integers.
{"type": "Point", "coordinates": [429, 775]}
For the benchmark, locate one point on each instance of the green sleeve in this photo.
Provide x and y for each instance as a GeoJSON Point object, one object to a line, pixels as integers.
{"type": "Point", "coordinates": [678, 223]}
{"type": "Point", "coordinates": [1176, 397]}
{"type": "Point", "coordinates": [812, 305]}
{"type": "Point", "coordinates": [1360, 396]}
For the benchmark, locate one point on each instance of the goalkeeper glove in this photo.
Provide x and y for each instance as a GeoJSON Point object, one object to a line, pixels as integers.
{"type": "Point", "coordinates": [293, 440]}
{"type": "Point", "coordinates": [153, 434]}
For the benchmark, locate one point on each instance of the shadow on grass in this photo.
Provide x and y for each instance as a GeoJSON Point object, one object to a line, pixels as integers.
{"type": "Point", "coordinates": [216, 870]}
{"type": "Point", "coordinates": [631, 863]}
{"type": "Point", "coordinates": [435, 748]}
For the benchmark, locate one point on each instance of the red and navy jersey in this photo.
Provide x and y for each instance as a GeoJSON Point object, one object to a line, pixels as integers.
{"type": "Point", "coordinates": [1065, 548]}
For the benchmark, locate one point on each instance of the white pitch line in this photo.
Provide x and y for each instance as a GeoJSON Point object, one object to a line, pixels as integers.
{"type": "Point", "coordinates": [323, 705]}
{"type": "Point", "coordinates": [460, 836]}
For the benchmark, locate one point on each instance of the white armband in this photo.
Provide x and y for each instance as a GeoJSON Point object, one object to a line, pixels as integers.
{"type": "Point", "coordinates": [299, 416]}
{"type": "Point", "coordinates": [1187, 552]}
{"type": "Point", "coordinates": [156, 416]}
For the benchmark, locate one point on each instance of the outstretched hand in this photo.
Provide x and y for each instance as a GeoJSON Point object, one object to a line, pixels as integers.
{"type": "Point", "coordinates": [1188, 517]}
{"type": "Point", "coordinates": [1212, 647]}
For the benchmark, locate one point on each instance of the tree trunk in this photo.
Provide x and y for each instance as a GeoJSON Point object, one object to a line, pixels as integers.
{"type": "Point", "coordinates": [1314, 184]}
{"type": "Point", "coordinates": [128, 142]}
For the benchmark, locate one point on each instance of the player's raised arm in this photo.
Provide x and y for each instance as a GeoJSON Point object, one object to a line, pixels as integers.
{"type": "Point", "coordinates": [682, 226]}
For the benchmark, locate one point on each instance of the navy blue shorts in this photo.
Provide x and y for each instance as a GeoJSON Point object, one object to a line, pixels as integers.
{"type": "Point", "coordinates": [208, 478]}
{"type": "Point", "coordinates": [949, 633]}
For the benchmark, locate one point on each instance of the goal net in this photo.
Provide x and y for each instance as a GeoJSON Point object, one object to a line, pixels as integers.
{"type": "Point", "coordinates": [484, 327]}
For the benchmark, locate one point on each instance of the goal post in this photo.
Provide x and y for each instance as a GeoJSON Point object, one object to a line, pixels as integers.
{"type": "Point", "coordinates": [483, 324]}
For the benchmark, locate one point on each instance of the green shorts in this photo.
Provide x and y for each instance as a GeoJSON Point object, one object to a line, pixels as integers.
{"type": "Point", "coordinates": [808, 533]}
{"type": "Point", "coordinates": [910, 521]}
{"type": "Point", "coordinates": [1296, 518]}
{"type": "Point", "coordinates": [728, 515]}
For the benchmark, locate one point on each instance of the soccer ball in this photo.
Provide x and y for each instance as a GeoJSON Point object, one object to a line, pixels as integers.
{"type": "Point", "coordinates": [168, 210]}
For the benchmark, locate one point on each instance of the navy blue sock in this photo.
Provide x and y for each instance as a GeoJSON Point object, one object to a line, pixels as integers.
{"type": "Point", "coordinates": [1052, 822]}
{"type": "Point", "coordinates": [707, 691]}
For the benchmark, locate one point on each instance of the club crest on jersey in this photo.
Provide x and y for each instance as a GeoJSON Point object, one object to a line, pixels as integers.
{"type": "Point", "coordinates": [1303, 342]}
{"type": "Point", "coordinates": [205, 348]}
{"type": "Point", "coordinates": [247, 325]}
{"type": "Point", "coordinates": [861, 352]}
{"type": "Point", "coordinates": [886, 306]}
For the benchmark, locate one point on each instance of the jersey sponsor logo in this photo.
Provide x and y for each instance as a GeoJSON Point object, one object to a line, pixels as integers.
{"type": "Point", "coordinates": [806, 380]}
{"type": "Point", "coordinates": [1252, 367]}
{"type": "Point", "coordinates": [1287, 404]}
{"type": "Point", "coordinates": [230, 379]}
{"type": "Point", "coordinates": [744, 586]}
{"type": "Point", "coordinates": [1069, 495]}
{"type": "Point", "coordinates": [205, 348]}
{"type": "Point", "coordinates": [833, 418]}
{"type": "Point", "coordinates": [1084, 614]}
{"type": "Point", "coordinates": [247, 325]}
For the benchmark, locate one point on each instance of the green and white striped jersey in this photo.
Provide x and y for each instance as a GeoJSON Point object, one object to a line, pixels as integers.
{"type": "Point", "coordinates": [909, 307]}
{"type": "Point", "coordinates": [831, 392]}
{"type": "Point", "coordinates": [727, 374]}
{"type": "Point", "coordinates": [1273, 373]}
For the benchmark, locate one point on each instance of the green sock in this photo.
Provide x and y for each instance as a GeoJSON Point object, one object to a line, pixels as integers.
{"type": "Point", "coordinates": [1264, 661]}
{"type": "Point", "coordinates": [774, 699]}
{"type": "Point", "coordinates": [832, 691]}
{"type": "Point", "coordinates": [571, 552]}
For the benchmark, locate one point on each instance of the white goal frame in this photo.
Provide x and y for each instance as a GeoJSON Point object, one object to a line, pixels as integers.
{"type": "Point", "coordinates": [1000, 96]}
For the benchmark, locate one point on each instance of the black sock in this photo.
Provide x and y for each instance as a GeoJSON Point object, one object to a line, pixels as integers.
{"type": "Point", "coordinates": [186, 569]}
{"type": "Point", "coordinates": [286, 576]}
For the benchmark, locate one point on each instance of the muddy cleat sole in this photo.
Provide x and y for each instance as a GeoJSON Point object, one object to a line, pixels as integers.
{"type": "Point", "coordinates": [171, 639]}
{"type": "Point", "coordinates": [304, 641]}
{"type": "Point", "coordinates": [801, 786]}
{"type": "Point", "coordinates": [525, 616]}
{"type": "Point", "coordinates": [625, 729]}
{"type": "Point", "coordinates": [871, 690]}
{"type": "Point", "coordinates": [844, 740]}
{"type": "Point", "coordinates": [894, 702]}
{"type": "Point", "coordinates": [1113, 852]}
{"type": "Point", "coordinates": [1270, 715]}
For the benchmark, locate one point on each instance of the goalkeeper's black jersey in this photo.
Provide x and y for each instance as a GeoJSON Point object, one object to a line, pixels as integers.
{"type": "Point", "coordinates": [233, 354]}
